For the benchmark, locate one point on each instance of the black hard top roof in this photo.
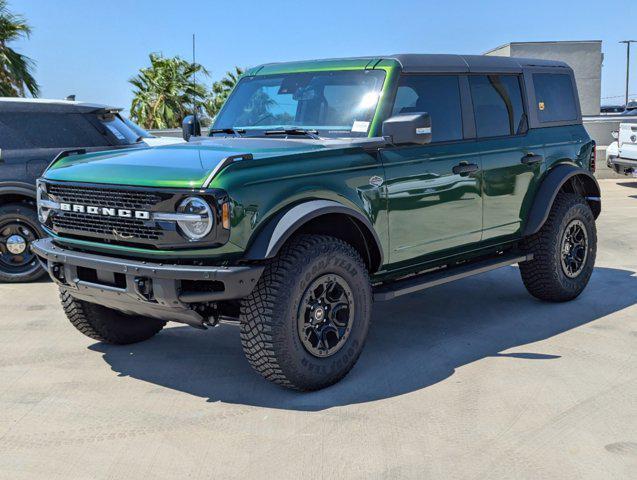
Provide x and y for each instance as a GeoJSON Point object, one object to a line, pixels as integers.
{"type": "Point", "coordinates": [420, 63]}
{"type": "Point", "coordinates": [38, 105]}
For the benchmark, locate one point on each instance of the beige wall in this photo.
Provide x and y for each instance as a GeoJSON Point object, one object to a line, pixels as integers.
{"type": "Point", "coordinates": [585, 58]}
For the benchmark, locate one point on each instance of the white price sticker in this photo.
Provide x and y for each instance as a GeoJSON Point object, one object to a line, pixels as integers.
{"type": "Point", "coordinates": [360, 127]}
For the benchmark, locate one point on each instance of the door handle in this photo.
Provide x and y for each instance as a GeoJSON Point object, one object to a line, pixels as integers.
{"type": "Point", "coordinates": [531, 159]}
{"type": "Point", "coordinates": [464, 169]}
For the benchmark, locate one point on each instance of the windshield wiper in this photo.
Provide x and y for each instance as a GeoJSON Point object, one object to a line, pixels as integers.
{"type": "Point", "coordinates": [237, 132]}
{"type": "Point", "coordinates": [294, 131]}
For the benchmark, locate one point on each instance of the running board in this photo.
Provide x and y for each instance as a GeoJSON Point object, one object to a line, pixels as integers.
{"type": "Point", "coordinates": [395, 289]}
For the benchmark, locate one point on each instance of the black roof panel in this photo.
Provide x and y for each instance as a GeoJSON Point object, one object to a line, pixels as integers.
{"type": "Point", "coordinates": [432, 63]}
{"type": "Point", "coordinates": [50, 106]}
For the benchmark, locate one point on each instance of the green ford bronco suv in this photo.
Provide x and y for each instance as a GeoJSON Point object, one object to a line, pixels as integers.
{"type": "Point", "coordinates": [322, 187]}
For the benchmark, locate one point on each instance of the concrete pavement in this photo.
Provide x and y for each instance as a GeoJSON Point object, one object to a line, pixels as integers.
{"type": "Point", "coordinates": [471, 380]}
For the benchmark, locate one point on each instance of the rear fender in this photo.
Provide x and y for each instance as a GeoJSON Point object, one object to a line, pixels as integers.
{"type": "Point", "coordinates": [562, 177]}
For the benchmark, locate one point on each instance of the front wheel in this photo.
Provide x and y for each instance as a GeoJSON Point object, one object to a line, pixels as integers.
{"type": "Point", "coordinates": [305, 323]}
{"type": "Point", "coordinates": [107, 325]}
{"type": "Point", "coordinates": [563, 251]}
{"type": "Point", "coordinates": [19, 227]}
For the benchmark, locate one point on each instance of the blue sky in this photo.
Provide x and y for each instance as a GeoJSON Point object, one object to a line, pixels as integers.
{"type": "Point", "coordinates": [91, 48]}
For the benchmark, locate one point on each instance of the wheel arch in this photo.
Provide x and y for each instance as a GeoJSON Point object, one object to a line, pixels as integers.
{"type": "Point", "coordinates": [16, 192]}
{"type": "Point", "coordinates": [324, 217]}
{"type": "Point", "coordinates": [566, 178]}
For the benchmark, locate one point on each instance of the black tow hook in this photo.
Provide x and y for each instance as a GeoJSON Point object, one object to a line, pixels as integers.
{"type": "Point", "coordinates": [144, 288]}
{"type": "Point", "coordinates": [57, 270]}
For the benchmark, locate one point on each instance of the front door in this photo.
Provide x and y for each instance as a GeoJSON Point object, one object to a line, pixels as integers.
{"type": "Point", "coordinates": [433, 191]}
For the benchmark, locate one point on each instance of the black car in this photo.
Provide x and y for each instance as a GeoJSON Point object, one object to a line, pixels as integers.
{"type": "Point", "coordinates": [612, 109]}
{"type": "Point", "coordinates": [32, 133]}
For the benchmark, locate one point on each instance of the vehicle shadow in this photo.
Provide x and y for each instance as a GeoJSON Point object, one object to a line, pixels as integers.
{"type": "Point", "coordinates": [415, 341]}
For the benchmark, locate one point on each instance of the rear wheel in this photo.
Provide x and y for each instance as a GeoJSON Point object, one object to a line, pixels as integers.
{"type": "Point", "coordinates": [19, 227]}
{"type": "Point", "coordinates": [305, 323]}
{"type": "Point", "coordinates": [108, 325]}
{"type": "Point", "coordinates": [563, 251]}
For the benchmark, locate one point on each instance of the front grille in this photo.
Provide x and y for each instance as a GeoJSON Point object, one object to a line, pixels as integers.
{"type": "Point", "coordinates": [132, 230]}
{"type": "Point", "coordinates": [104, 197]}
{"type": "Point", "coordinates": [122, 228]}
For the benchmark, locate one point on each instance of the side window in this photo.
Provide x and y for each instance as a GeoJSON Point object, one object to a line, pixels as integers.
{"type": "Point", "coordinates": [437, 95]}
{"type": "Point", "coordinates": [498, 105]}
{"type": "Point", "coordinates": [555, 97]}
{"type": "Point", "coordinates": [11, 135]}
{"type": "Point", "coordinates": [48, 130]}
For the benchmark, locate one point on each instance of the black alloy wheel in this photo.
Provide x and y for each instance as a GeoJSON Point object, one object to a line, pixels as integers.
{"type": "Point", "coordinates": [574, 248]}
{"type": "Point", "coordinates": [326, 315]}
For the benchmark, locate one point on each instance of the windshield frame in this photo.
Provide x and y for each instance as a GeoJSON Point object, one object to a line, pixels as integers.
{"type": "Point", "coordinates": [379, 109]}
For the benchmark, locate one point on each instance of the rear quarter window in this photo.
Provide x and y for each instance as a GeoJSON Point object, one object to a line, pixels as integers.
{"type": "Point", "coordinates": [555, 97]}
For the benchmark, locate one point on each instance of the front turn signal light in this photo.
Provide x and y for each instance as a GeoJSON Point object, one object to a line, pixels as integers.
{"type": "Point", "coordinates": [225, 216]}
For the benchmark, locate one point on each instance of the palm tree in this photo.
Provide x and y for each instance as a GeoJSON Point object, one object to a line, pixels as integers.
{"type": "Point", "coordinates": [15, 69]}
{"type": "Point", "coordinates": [220, 91]}
{"type": "Point", "coordinates": [165, 92]}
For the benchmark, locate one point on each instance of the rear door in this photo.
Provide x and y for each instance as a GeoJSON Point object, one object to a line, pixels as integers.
{"type": "Point", "coordinates": [431, 207]}
{"type": "Point", "coordinates": [511, 165]}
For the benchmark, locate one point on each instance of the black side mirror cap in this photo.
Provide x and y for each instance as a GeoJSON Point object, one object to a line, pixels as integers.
{"type": "Point", "coordinates": [190, 127]}
{"type": "Point", "coordinates": [408, 128]}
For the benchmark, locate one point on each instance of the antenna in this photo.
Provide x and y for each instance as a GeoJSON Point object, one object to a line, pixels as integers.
{"type": "Point", "coordinates": [194, 79]}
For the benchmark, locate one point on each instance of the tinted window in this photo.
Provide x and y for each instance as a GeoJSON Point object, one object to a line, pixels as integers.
{"type": "Point", "coordinates": [437, 95]}
{"type": "Point", "coordinates": [49, 130]}
{"type": "Point", "coordinates": [121, 133]}
{"type": "Point", "coordinates": [555, 97]}
{"type": "Point", "coordinates": [497, 104]}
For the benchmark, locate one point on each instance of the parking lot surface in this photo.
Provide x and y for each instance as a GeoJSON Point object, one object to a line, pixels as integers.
{"type": "Point", "coordinates": [474, 379]}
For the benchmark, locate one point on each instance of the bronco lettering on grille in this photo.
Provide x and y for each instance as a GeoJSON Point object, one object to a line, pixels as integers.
{"type": "Point", "coordinates": [105, 211]}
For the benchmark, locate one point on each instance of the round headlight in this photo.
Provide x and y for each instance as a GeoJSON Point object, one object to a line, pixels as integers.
{"type": "Point", "coordinates": [202, 220]}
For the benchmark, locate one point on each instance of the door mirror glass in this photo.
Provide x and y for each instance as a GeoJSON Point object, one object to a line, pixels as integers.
{"type": "Point", "coordinates": [408, 128]}
{"type": "Point", "coordinates": [615, 134]}
{"type": "Point", "coordinates": [190, 127]}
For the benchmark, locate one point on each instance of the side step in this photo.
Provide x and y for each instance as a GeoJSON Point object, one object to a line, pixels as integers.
{"type": "Point", "coordinates": [395, 289]}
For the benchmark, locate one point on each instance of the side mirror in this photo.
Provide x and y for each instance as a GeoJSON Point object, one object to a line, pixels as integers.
{"type": "Point", "coordinates": [615, 134]}
{"type": "Point", "coordinates": [190, 127]}
{"type": "Point", "coordinates": [408, 128]}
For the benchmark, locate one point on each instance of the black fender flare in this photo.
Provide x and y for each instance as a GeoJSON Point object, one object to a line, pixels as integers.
{"type": "Point", "coordinates": [581, 180]}
{"type": "Point", "coordinates": [18, 188]}
{"type": "Point", "coordinates": [267, 242]}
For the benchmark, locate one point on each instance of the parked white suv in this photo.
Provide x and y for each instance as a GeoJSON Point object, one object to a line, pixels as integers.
{"type": "Point", "coordinates": [621, 155]}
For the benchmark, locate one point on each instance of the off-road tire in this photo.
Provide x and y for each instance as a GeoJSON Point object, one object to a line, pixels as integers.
{"type": "Point", "coordinates": [25, 214]}
{"type": "Point", "coordinates": [107, 325]}
{"type": "Point", "coordinates": [544, 276]}
{"type": "Point", "coordinates": [268, 316]}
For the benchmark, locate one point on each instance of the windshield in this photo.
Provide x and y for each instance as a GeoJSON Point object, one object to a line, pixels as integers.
{"type": "Point", "coordinates": [141, 133]}
{"type": "Point", "coordinates": [117, 130]}
{"type": "Point", "coordinates": [335, 104]}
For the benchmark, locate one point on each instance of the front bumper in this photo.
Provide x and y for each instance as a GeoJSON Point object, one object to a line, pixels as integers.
{"type": "Point", "coordinates": [625, 166]}
{"type": "Point", "coordinates": [165, 291]}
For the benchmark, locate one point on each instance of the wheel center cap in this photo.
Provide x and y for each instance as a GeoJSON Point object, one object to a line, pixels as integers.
{"type": "Point", "coordinates": [16, 244]}
{"type": "Point", "coordinates": [319, 314]}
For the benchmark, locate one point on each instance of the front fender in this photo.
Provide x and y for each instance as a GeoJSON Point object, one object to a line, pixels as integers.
{"type": "Point", "coordinates": [267, 242]}
{"type": "Point", "coordinates": [578, 179]}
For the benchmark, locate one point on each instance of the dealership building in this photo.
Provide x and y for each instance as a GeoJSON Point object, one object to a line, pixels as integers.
{"type": "Point", "coordinates": [584, 57]}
